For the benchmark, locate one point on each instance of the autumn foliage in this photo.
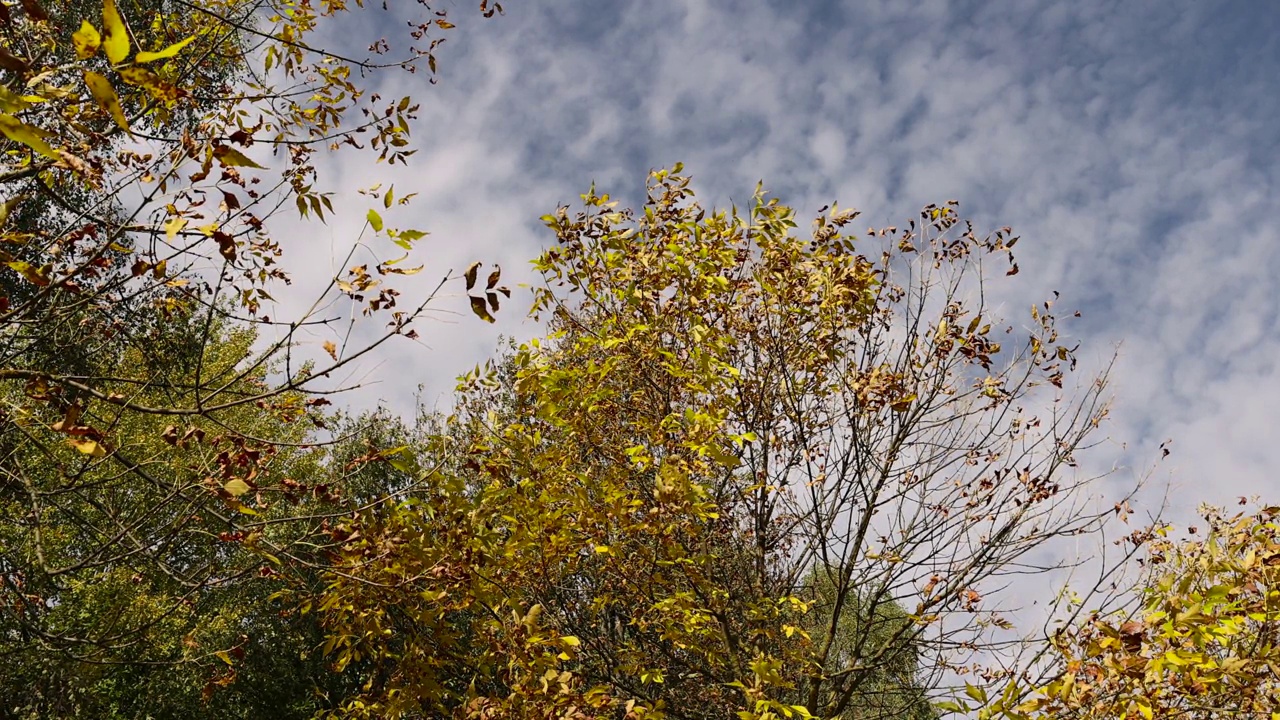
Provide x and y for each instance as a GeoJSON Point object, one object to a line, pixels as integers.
{"type": "Point", "coordinates": [750, 470]}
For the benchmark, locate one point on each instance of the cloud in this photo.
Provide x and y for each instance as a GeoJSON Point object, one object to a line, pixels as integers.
{"type": "Point", "coordinates": [1132, 146]}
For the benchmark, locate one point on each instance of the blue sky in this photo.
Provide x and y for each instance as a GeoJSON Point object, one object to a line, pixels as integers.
{"type": "Point", "coordinates": [1133, 145]}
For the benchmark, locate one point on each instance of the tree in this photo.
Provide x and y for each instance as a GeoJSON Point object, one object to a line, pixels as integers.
{"type": "Point", "coordinates": [1197, 640]}
{"type": "Point", "coordinates": [891, 689]}
{"type": "Point", "coordinates": [719, 409]}
{"type": "Point", "coordinates": [158, 427]}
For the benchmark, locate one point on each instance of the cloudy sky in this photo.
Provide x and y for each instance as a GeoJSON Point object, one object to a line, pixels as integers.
{"type": "Point", "coordinates": [1133, 145]}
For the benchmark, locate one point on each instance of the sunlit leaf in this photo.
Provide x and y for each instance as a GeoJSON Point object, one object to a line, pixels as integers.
{"type": "Point", "coordinates": [89, 447]}
{"type": "Point", "coordinates": [236, 487]}
{"type": "Point", "coordinates": [116, 42]}
{"type": "Point", "coordinates": [86, 40]}
{"type": "Point", "coordinates": [147, 56]}
{"type": "Point", "coordinates": [28, 135]}
{"type": "Point", "coordinates": [173, 226]}
{"type": "Point", "coordinates": [105, 96]}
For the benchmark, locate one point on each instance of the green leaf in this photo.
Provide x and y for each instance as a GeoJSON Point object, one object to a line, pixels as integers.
{"type": "Point", "coordinates": [145, 57]}
{"type": "Point", "coordinates": [375, 220]}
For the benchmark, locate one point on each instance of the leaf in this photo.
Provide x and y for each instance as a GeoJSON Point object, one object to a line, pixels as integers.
{"type": "Point", "coordinates": [224, 656]}
{"type": "Point", "coordinates": [105, 96]}
{"type": "Point", "coordinates": [86, 40]}
{"type": "Point", "coordinates": [493, 278]}
{"type": "Point", "coordinates": [236, 487]}
{"type": "Point", "coordinates": [7, 207]}
{"type": "Point", "coordinates": [116, 43]}
{"type": "Point", "coordinates": [89, 447]}
{"type": "Point", "coordinates": [174, 226]}
{"type": "Point", "coordinates": [34, 11]}
{"type": "Point", "coordinates": [470, 275]}
{"type": "Point", "coordinates": [146, 57]}
{"type": "Point", "coordinates": [478, 307]}
{"type": "Point", "coordinates": [12, 62]}
{"type": "Point", "coordinates": [11, 102]}
{"type": "Point", "coordinates": [493, 301]}
{"type": "Point", "coordinates": [386, 199]}
{"type": "Point", "coordinates": [159, 88]}
{"type": "Point", "coordinates": [230, 157]}
{"type": "Point", "coordinates": [226, 246]}
{"type": "Point", "coordinates": [28, 135]}
{"type": "Point", "coordinates": [375, 220]}
{"type": "Point", "coordinates": [34, 275]}
{"type": "Point", "coordinates": [330, 348]}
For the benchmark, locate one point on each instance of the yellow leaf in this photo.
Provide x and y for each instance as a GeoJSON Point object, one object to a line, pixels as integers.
{"type": "Point", "coordinates": [86, 40]}
{"type": "Point", "coordinates": [375, 220]}
{"type": "Point", "coordinates": [33, 274]}
{"type": "Point", "coordinates": [92, 448]}
{"type": "Point", "coordinates": [224, 656]}
{"type": "Point", "coordinates": [154, 84]}
{"type": "Point", "coordinates": [11, 102]}
{"type": "Point", "coordinates": [236, 487]}
{"type": "Point", "coordinates": [230, 157]}
{"type": "Point", "coordinates": [168, 52]}
{"type": "Point", "coordinates": [330, 348]}
{"type": "Point", "coordinates": [116, 43]}
{"type": "Point", "coordinates": [28, 135]}
{"type": "Point", "coordinates": [173, 227]}
{"type": "Point", "coordinates": [105, 96]}
{"type": "Point", "coordinates": [570, 640]}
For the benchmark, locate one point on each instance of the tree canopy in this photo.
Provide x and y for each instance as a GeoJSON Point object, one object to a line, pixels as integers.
{"type": "Point", "coordinates": [747, 470]}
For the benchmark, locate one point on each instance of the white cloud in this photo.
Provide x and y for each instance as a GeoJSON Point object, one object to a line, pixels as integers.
{"type": "Point", "coordinates": [1132, 146]}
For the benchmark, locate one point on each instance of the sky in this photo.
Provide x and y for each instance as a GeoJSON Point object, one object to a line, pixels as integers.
{"type": "Point", "coordinates": [1132, 145]}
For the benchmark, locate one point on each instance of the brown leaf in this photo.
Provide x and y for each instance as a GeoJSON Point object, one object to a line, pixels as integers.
{"type": "Point", "coordinates": [34, 11]}
{"type": "Point", "coordinates": [13, 63]}
{"type": "Point", "coordinates": [493, 301]}
{"type": "Point", "coordinates": [226, 245]}
{"type": "Point", "coordinates": [493, 278]}
{"type": "Point", "coordinates": [470, 275]}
